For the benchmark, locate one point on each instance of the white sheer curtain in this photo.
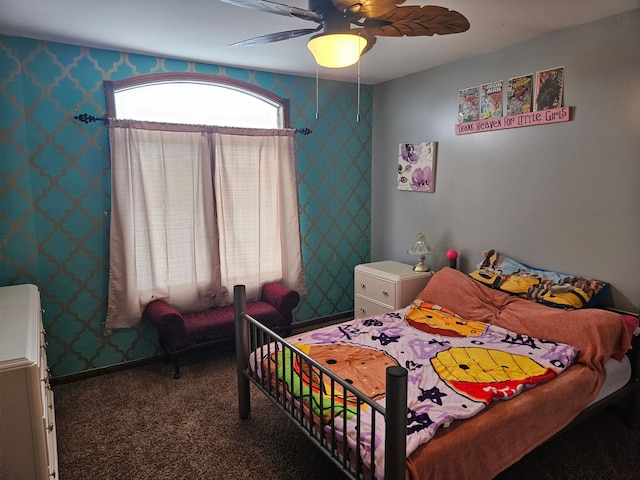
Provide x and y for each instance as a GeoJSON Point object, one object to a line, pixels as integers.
{"type": "Point", "coordinates": [173, 237]}
{"type": "Point", "coordinates": [163, 239]}
{"type": "Point", "coordinates": [257, 206]}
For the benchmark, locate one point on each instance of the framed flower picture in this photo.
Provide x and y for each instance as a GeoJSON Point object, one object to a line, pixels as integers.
{"type": "Point", "coordinates": [416, 166]}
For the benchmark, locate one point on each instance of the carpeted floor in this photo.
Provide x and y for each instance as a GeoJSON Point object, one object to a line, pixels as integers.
{"type": "Point", "coordinates": [140, 424]}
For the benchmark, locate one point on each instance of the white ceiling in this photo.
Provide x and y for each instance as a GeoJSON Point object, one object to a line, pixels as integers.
{"type": "Point", "coordinates": [201, 30]}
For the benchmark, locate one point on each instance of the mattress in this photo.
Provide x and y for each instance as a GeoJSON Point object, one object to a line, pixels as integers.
{"type": "Point", "coordinates": [618, 375]}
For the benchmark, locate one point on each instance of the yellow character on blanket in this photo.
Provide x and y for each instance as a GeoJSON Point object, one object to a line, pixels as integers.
{"type": "Point", "coordinates": [484, 374]}
{"type": "Point", "coordinates": [362, 367]}
{"type": "Point", "coordinates": [478, 373]}
{"type": "Point", "coordinates": [437, 320]}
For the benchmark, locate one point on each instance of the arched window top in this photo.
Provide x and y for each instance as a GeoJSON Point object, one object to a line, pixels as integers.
{"type": "Point", "coordinates": [195, 98]}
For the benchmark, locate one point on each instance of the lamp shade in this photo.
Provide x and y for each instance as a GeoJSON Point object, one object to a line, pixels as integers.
{"type": "Point", "coordinates": [336, 50]}
{"type": "Point", "coordinates": [421, 249]}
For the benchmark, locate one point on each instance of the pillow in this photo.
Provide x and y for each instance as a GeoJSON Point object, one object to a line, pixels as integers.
{"type": "Point", "coordinates": [598, 333]}
{"type": "Point", "coordinates": [561, 290]}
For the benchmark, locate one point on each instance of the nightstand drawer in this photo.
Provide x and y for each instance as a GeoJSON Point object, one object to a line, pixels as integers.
{"type": "Point", "coordinates": [368, 308]}
{"type": "Point", "coordinates": [385, 286]}
{"type": "Point", "coordinates": [377, 289]}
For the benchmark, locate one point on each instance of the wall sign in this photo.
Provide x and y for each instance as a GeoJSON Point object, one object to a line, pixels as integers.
{"type": "Point", "coordinates": [541, 117]}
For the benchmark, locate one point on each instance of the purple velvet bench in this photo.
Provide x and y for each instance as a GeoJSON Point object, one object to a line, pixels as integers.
{"type": "Point", "coordinates": [178, 331]}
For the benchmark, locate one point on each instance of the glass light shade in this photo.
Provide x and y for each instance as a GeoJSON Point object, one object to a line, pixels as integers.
{"type": "Point", "coordinates": [336, 50]}
{"type": "Point", "coordinates": [421, 249]}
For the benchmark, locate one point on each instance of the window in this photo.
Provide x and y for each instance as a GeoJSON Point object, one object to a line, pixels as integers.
{"type": "Point", "coordinates": [186, 225]}
{"type": "Point", "coordinates": [195, 98]}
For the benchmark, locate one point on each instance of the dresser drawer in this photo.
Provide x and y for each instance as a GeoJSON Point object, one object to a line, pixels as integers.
{"type": "Point", "coordinates": [368, 308]}
{"type": "Point", "coordinates": [28, 434]}
{"type": "Point", "coordinates": [377, 289]}
{"type": "Point", "coordinates": [50, 427]}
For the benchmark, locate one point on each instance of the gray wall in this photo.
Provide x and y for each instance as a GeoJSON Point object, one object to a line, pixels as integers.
{"type": "Point", "coordinates": [564, 196]}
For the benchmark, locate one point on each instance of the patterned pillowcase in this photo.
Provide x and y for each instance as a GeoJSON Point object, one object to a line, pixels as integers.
{"type": "Point", "coordinates": [561, 290]}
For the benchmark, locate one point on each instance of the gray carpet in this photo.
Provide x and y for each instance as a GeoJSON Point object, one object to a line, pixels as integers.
{"type": "Point", "coordinates": [142, 424]}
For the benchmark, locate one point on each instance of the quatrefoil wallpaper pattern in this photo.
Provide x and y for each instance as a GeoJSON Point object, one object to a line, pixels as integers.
{"type": "Point", "coordinates": [55, 186]}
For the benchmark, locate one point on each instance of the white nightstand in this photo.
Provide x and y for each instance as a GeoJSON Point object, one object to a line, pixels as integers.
{"type": "Point", "coordinates": [382, 287]}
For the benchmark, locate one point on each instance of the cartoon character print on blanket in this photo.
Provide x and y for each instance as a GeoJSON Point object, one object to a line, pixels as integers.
{"type": "Point", "coordinates": [476, 372]}
{"type": "Point", "coordinates": [456, 367]}
{"type": "Point", "coordinates": [361, 367]}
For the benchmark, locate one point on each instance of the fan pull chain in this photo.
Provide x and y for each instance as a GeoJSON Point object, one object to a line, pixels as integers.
{"type": "Point", "coordinates": [317, 103]}
{"type": "Point", "coordinates": [358, 114]}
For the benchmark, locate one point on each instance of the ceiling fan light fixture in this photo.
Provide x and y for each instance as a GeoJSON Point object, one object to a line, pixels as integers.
{"type": "Point", "coordinates": [336, 50]}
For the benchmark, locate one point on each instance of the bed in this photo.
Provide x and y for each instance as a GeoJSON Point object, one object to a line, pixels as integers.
{"type": "Point", "coordinates": [570, 364]}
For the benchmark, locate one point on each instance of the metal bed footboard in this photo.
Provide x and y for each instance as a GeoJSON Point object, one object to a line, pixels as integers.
{"type": "Point", "coordinates": [252, 336]}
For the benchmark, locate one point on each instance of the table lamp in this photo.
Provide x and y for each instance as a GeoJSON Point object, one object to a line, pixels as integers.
{"type": "Point", "coordinates": [421, 249]}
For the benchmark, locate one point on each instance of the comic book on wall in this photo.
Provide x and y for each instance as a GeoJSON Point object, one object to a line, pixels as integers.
{"type": "Point", "coordinates": [491, 99]}
{"type": "Point", "coordinates": [519, 94]}
{"type": "Point", "coordinates": [549, 87]}
{"type": "Point", "coordinates": [468, 110]}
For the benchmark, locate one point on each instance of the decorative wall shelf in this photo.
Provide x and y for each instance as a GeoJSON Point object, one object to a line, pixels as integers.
{"type": "Point", "coordinates": [541, 117]}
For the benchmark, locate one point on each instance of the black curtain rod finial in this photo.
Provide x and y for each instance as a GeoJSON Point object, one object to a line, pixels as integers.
{"type": "Point", "coordinates": [304, 131]}
{"type": "Point", "coordinates": [86, 118]}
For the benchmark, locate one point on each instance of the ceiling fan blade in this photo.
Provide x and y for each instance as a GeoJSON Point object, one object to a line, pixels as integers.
{"type": "Point", "coordinates": [277, 8]}
{"type": "Point", "coordinates": [276, 37]}
{"type": "Point", "coordinates": [366, 8]}
{"type": "Point", "coordinates": [413, 21]}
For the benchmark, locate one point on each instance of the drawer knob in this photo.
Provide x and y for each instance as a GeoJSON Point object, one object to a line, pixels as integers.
{"type": "Point", "coordinates": [362, 310]}
{"type": "Point", "coordinates": [362, 285]}
{"type": "Point", "coordinates": [50, 428]}
{"type": "Point", "coordinates": [386, 294]}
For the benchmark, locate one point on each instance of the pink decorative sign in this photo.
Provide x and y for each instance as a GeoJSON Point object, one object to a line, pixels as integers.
{"type": "Point", "coordinates": [540, 117]}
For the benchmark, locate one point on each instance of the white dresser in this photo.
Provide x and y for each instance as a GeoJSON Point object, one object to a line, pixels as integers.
{"type": "Point", "coordinates": [382, 287]}
{"type": "Point", "coordinates": [28, 447]}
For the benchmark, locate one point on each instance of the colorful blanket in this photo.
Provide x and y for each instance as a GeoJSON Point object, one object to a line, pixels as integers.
{"type": "Point", "coordinates": [456, 367]}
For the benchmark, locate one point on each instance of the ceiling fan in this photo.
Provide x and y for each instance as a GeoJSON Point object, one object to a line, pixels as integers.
{"type": "Point", "coordinates": [371, 18]}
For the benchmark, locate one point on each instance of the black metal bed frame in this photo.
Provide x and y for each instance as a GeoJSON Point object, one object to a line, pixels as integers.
{"type": "Point", "coordinates": [251, 335]}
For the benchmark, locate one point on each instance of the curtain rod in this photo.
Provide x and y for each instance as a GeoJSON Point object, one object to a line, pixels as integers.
{"type": "Point", "coordinates": [87, 118]}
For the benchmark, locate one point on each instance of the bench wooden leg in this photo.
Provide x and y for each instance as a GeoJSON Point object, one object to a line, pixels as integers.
{"type": "Point", "coordinates": [168, 355]}
{"type": "Point", "coordinates": [165, 348]}
{"type": "Point", "coordinates": [176, 365]}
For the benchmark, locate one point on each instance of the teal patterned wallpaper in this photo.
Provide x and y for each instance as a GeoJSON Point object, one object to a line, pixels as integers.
{"type": "Point", "coordinates": [55, 189]}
